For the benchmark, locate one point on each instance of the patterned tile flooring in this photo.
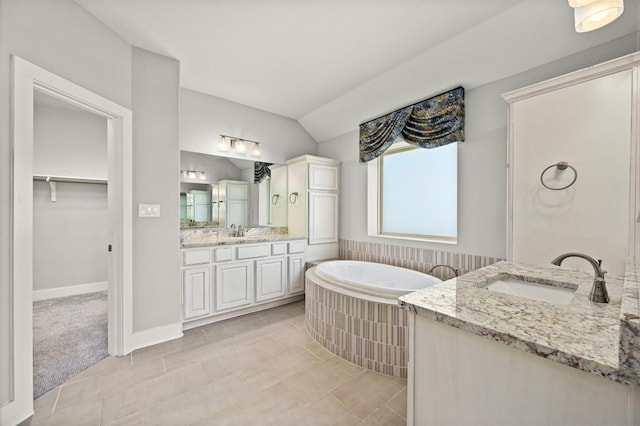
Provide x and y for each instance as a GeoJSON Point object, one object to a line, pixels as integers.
{"type": "Point", "coordinates": [259, 369]}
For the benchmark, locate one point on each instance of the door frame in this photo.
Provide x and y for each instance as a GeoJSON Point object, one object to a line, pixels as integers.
{"type": "Point", "coordinates": [26, 78]}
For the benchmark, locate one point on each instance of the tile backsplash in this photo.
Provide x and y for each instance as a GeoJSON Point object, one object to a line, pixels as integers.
{"type": "Point", "coordinates": [418, 259]}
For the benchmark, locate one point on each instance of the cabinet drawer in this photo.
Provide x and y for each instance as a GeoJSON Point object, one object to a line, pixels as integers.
{"type": "Point", "coordinates": [194, 257]}
{"type": "Point", "coordinates": [297, 246]}
{"type": "Point", "coordinates": [248, 252]}
{"type": "Point", "coordinates": [223, 254]}
{"type": "Point", "coordinates": [278, 249]}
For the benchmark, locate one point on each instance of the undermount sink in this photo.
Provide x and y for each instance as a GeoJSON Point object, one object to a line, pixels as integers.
{"type": "Point", "coordinates": [532, 290]}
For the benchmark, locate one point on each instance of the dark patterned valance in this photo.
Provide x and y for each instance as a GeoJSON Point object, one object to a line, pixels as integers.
{"type": "Point", "coordinates": [260, 171]}
{"type": "Point", "coordinates": [431, 123]}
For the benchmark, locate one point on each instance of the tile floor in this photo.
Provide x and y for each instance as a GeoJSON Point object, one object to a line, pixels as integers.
{"type": "Point", "coordinates": [259, 369]}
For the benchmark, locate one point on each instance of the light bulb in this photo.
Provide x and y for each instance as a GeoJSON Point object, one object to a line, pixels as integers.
{"type": "Point", "coordinates": [191, 174]}
{"type": "Point", "coordinates": [255, 151]}
{"type": "Point", "coordinates": [202, 175]}
{"type": "Point", "coordinates": [223, 144]}
{"type": "Point", "coordinates": [240, 146]}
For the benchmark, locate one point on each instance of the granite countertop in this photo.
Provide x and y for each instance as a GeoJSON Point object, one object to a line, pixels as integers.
{"type": "Point", "coordinates": [221, 241]}
{"type": "Point", "coordinates": [599, 338]}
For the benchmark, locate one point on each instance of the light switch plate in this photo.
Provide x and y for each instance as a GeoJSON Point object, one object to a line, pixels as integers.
{"type": "Point", "coordinates": [148, 210]}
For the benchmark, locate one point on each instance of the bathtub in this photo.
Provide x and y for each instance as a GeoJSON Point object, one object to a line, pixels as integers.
{"type": "Point", "coordinates": [351, 308]}
{"type": "Point", "coordinates": [373, 279]}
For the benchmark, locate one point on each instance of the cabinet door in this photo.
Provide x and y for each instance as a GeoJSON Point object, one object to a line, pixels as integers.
{"type": "Point", "coordinates": [296, 274]}
{"type": "Point", "coordinates": [202, 212]}
{"type": "Point", "coordinates": [270, 278]}
{"type": "Point", "coordinates": [323, 217]}
{"type": "Point", "coordinates": [237, 191]}
{"type": "Point", "coordinates": [237, 212]}
{"type": "Point", "coordinates": [323, 177]}
{"type": "Point", "coordinates": [196, 291]}
{"type": "Point", "coordinates": [233, 285]}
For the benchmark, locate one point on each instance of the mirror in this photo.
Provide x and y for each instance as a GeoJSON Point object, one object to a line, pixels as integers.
{"type": "Point", "coordinates": [218, 192]}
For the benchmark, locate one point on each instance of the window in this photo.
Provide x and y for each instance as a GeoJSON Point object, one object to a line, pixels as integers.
{"type": "Point", "coordinates": [413, 193]}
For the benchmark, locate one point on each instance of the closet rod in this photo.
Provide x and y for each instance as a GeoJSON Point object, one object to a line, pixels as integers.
{"type": "Point", "coordinates": [69, 179]}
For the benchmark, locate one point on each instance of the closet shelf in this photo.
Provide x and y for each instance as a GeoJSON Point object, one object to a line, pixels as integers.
{"type": "Point", "coordinates": [69, 179]}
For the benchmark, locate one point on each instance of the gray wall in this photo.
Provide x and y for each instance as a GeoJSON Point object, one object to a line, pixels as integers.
{"type": "Point", "coordinates": [482, 160]}
{"type": "Point", "coordinates": [63, 38]}
{"type": "Point", "coordinates": [69, 235]}
{"type": "Point", "coordinates": [156, 169]}
{"type": "Point", "coordinates": [204, 117]}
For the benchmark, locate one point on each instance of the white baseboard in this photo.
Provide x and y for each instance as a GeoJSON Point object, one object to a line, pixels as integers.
{"type": "Point", "coordinates": [153, 336]}
{"type": "Point", "coordinates": [71, 290]}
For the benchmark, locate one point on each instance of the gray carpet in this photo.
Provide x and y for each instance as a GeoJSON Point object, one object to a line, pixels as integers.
{"type": "Point", "coordinates": [69, 335]}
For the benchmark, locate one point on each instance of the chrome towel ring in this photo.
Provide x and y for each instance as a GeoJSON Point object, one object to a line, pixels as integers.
{"type": "Point", "coordinates": [293, 197]}
{"type": "Point", "coordinates": [562, 165]}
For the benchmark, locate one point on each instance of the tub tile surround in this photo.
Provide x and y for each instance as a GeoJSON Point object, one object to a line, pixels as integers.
{"type": "Point", "coordinates": [418, 259]}
{"type": "Point", "coordinates": [369, 334]}
{"type": "Point", "coordinates": [199, 237]}
{"type": "Point", "coordinates": [597, 338]}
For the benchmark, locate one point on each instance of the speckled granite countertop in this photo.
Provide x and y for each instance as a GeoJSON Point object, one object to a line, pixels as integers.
{"type": "Point", "coordinates": [602, 339]}
{"type": "Point", "coordinates": [242, 240]}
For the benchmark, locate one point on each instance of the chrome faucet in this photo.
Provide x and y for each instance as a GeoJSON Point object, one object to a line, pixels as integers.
{"type": "Point", "coordinates": [240, 232]}
{"type": "Point", "coordinates": [232, 230]}
{"type": "Point", "coordinates": [456, 272]}
{"type": "Point", "coordinates": [598, 292]}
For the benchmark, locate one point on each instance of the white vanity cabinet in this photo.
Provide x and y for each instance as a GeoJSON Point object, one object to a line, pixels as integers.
{"type": "Point", "coordinates": [312, 203]}
{"type": "Point", "coordinates": [224, 281]}
{"type": "Point", "coordinates": [196, 283]}
{"type": "Point", "coordinates": [233, 285]}
{"type": "Point", "coordinates": [196, 289]}
{"type": "Point", "coordinates": [271, 278]}
{"type": "Point", "coordinates": [296, 263]}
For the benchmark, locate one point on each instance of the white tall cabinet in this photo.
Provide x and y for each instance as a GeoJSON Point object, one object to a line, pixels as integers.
{"type": "Point", "coordinates": [589, 120]}
{"type": "Point", "coordinates": [312, 203]}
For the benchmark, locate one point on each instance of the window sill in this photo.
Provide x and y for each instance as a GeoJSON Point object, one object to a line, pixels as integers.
{"type": "Point", "coordinates": [424, 240]}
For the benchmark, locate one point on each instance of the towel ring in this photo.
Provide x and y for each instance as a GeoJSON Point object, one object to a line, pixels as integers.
{"type": "Point", "coordinates": [275, 199]}
{"type": "Point", "coordinates": [562, 165]}
{"type": "Point", "coordinates": [293, 197]}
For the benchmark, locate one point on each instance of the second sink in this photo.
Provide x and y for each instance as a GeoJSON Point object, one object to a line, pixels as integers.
{"type": "Point", "coordinates": [532, 290]}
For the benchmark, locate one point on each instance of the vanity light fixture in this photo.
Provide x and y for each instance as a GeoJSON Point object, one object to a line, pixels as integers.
{"type": "Point", "coordinates": [239, 145]}
{"type": "Point", "coordinates": [255, 151]}
{"type": "Point", "coordinates": [223, 143]}
{"type": "Point", "coordinates": [590, 15]}
{"type": "Point", "coordinates": [193, 174]}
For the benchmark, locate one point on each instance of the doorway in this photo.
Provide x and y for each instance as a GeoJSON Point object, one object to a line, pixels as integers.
{"type": "Point", "coordinates": [28, 78]}
{"type": "Point", "coordinates": [70, 240]}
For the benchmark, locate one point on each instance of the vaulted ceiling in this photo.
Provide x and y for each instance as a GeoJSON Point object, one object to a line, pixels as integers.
{"type": "Point", "coordinates": [331, 64]}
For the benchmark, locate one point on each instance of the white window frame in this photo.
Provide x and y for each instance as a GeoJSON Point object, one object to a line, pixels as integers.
{"type": "Point", "coordinates": [373, 203]}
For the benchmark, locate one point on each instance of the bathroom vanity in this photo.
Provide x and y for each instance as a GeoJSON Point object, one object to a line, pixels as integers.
{"type": "Point", "coordinates": [481, 356]}
{"type": "Point", "coordinates": [225, 276]}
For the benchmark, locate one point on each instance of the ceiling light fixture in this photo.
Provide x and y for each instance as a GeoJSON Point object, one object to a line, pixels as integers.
{"type": "Point", "coordinates": [590, 15]}
{"type": "Point", "coordinates": [239, 145]}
